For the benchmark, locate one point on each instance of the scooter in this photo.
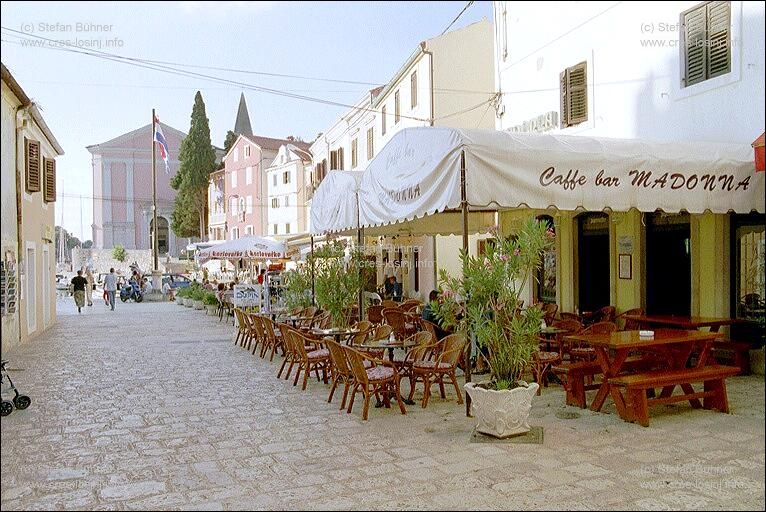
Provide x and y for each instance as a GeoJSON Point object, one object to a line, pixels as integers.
{"type": "Point", "coordinates": [131, 291]}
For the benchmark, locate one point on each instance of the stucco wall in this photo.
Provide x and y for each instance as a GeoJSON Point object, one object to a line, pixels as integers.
{"type": "Point", "coordinates": [8, 226]}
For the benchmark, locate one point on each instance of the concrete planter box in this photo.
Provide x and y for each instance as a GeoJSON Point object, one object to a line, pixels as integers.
{"type": "Point", "coordinates": [198, 304]}
{"type": "Point", "coordinates": [211, 310]}
{"type": "Point", "coordinates": [501, 413]}
{"type": "Point", "coordinates": [189, 303]}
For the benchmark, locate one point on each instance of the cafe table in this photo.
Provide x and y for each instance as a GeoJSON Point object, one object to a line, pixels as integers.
{"type": "Point", "coordinates": [336, 333]}
{"type": "Point", "coordinates": [674, 345]}
{"type": "Point", "coordinates": [548, 334]}
{"type": "Point", "coordinates": [294, 319]}
{"type": "Point", "coordinates": [386, 343]}
{"type": "Point", "coordinates": [682, 322]}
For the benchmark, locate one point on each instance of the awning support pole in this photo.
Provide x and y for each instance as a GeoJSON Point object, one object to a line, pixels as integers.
{"type": "Point", "coordinates": [313, 299]}
{"type": "Point", "coordinates": [464, 208]}
{"type": "Point", "coordinates": [359, 242]}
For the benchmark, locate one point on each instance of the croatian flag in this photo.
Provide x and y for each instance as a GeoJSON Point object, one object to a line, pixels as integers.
{"type": "Point", "coordinates": [159, 138]}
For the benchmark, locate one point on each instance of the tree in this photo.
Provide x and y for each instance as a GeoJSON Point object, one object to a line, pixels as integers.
{"type": "Point", "coordinates": [197, 158]}
{"type": "Point", "coordinates": [72, 242]}
{"type": "Point", "coordinates": [119, 253]}
{"type": "Point", "coordinates": [231, 138]}
{"type": "Point", "coordinates": [87, 244]}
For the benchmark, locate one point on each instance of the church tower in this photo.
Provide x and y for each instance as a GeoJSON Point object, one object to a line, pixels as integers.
{"type": "Point", "coordinates": [242, 124]}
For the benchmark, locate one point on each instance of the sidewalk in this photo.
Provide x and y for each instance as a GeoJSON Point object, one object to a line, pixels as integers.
{"type": "Point", "coordinates": [152, 406]}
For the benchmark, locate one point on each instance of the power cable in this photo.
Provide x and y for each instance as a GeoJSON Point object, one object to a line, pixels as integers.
{"type": "Point", "coordinates": [469, 4]}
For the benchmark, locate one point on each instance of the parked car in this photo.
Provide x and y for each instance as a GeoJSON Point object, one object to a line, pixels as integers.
{"type": "Point", "coordinates": [176, 280]}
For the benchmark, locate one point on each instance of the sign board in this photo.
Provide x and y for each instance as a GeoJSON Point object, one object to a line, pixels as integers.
{"type": "Point", "coordinates": [247, 295]}
{"type": "Point", "coordinates": [625, 244]}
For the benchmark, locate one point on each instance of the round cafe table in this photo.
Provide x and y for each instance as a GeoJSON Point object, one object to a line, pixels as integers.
{"type": "Point", "coordinates": [391, 345]}
{"type": "Point", "coordinates": [335, 333]}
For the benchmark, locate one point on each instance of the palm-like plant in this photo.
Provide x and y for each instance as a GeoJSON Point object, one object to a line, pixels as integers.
{"type": "Point", "coordinates": [297, 291]}
{"type": "Point", "coordinates": [484, 301]}
{"type": "Point", "coordinates": [337, 280]}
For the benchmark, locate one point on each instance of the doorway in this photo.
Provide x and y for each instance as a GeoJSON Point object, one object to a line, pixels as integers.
{"type": "Point", "coordinates": [668, 264]}
{"type": "Point", "coordinates": [593, 261]}
{"type": "Point", "coordinates": [162, 234]}
{"type": "Point", "coordinates": [31, 298]}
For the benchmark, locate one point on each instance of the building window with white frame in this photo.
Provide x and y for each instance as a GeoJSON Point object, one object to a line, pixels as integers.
{"type": "Point", "coordinates": [370, 143]}
{"type": "Point", "coordinates": [249, 205]}
{"type": "Point", "coordinates": [249, 230]}
{"type": "Point", "coordinates": [274, 179]}
{"type": "Point", "coordinates": [397, 108]}
{"type": "Point", "coordinates": [247, 151]}
{"type": "Point", "coordinates": [287, 201]}
{"type": "Point", "coordinates": [287, 228]}
{"type": "Point", "coordinates": [275, 228]}
{"type": "Point", "coordinates": [383, 120]}
{"type": "Point", "coordinates": [234, 179]}
{"type": "Point", "coordinates": [574, 95]}
{"type": "Point", "coordinates": [275, 202]}
{"type": "Point", "coordinates": [234, 233]}
{"type": "Point", "coordinates": [248, 175]}
{"type": "Point", "coordinates": [236, 154]}
{"type": "Point", "coordinates": [354, 144]}
{"type": "Point", "coordinates": [706, 45]}
{"type": "Point", "coordinates": [286, 177]}
{"type": "Point", "coordinates": [414, 89]}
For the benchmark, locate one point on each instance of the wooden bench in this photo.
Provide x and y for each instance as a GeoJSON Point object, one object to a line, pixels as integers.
{"type": "Point", "coordinates": [736, 353]}
{"type": "Point", "coordinates": [637, 403]}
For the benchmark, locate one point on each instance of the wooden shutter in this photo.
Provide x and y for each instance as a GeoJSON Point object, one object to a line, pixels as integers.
{"type": "Point", "coordinates": [383, 120]}
{"type": "Point", "coordinates": [370, 148]}
{"type": "Point", "coordinates": [695, 39]}
{"type": "Point", "coordinates": [563, 99]}
{"type": "Point", "coordinates": [397, 109]}
{"type": "Point", "coordinates": [354, 151]}
{"type": "Point", "coordinates": [719, 38]}
{"type": "Point", "coordinates": [49, 195]}
{"type": "Point", "coordinates": [340, 158]}
{"type": "Point", "coordinates": [577, 93]}
{"type": "Point", "coordinates": [32, 165]}
{"type": "Point", "coordinates": [414, 89]}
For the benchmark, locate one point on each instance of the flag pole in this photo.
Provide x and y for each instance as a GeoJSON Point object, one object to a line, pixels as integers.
{"type": "Point", "coordinates": [155, 256]}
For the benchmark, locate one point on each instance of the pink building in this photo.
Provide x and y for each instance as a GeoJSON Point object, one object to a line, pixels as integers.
{"type": "Point", "coordinates": [122, 191]}
{"type": "Point", "coordinates": [245, 188]}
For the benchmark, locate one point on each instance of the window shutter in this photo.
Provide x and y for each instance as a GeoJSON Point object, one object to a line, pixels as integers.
{"type": "Point", "coordinates": [370, 148]}
{"type": "Point", "coordinates": [49, 195]}
{"type": "Point", "coordinates": [354, 152]}
{"type": "Point", "coordinates": [563, 99]}
{"type": "Point", "coordinates": [414, 89]}
{"type": "Point", "coordinates": [719, 38]}
{"type": "Point", "coordinates": [340, 158]}
{"type": "Point", "coordinates": [397, 108]}
{"type": "Point", "coordinates": [577, 100]}
{"type": "Point", "coordinates": [32, 150]}
{"type": "Point", "coordinates": [695, 39]}
{"type": "Point", "coordinates": [383, 120]}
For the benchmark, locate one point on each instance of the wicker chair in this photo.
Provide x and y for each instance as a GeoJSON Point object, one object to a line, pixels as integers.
{"type": "Point", "coordinates": [388, 303]}
{"type": "Point", "coordinates": [425, 346]}
{"type": "Point", "coordinates": [379, 379]}
{"type": "Point", "coordinates": [375, 314]}
{"type": "Point", "coordinates": [569, 316]}
{"type": "Point", "coordinates": [629, 325]}
{"type": "Point", "coordinates": [396, 318]}
{"type": "Point", "coordinates": [605, 314]}
{"type": "Point", "coordinates": [585, 353]}
{"type": "Point", "coordinates": [433, 372]}
{"type": "Point", "coordinates": [549, 312]}
{"type": "Point", "coordinates": [260, 332]}
{"type": "Point", "coordinates": [340, 371]}
{"type": "Point", "coordinates": [272, 341]}
{"type": "Point", "coordinates": [308, 361]}
{"type": "Point", "coordinates": [242, 327]}
{"type": "Point", "coordinates": [569, 327]}
{"type": "Point", "coordinates": [541, 364]}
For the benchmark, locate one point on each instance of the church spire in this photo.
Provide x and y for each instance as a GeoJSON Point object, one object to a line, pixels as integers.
{"type": "Point", "coordinates": [242, 124]}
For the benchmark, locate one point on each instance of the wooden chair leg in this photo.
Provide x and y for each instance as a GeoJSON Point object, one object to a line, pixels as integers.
{"type": "Point", "coordinates": [576, 391]}
{"type": "Point", "coordinates": [332, 390]}
{"type": "Point", "coordinates": [427, 391]}
{"type": "Point", "coordinates": [453, 378]}
{"type": "Point", "coordinates": [306, 374]}
{"type": "Point", "coordinates": [441, 387]}
{"type": "Point", "coordinates": [298, 372]}
{"type": "Point", "coordinates": [346, 387]}
{"type": "Point", "coordinates": [413, 381]}
{"type": "Point", "coordinates": [399, 397]}
{"type": "Point", "coordinates": [353, 395]}
{"type": "Point", "coordinates": [637, 408]}
{"type": "Point", "coordinates": [284, 363]}
{"type": "Point", "coordinates": [366, 409]}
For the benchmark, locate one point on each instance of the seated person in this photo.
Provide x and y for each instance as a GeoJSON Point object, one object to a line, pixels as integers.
{"type": "Point", "coordinates": [428, 313]}
{"type": "Point", "coordinates": [389, 287]}
{"type": "Point", "coordinates": [170, 292]}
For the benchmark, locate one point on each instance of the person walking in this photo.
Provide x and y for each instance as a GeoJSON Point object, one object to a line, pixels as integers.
{"type": "Point", "coordinates": [89, 287]}
{"type": "Point", "coordinates": [78, 286]}
{"type": "Point", "coordinates": [110, 287]}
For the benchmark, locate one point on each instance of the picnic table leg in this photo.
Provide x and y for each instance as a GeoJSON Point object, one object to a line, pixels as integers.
{"type": "Point", "coordinates": [609, 370]}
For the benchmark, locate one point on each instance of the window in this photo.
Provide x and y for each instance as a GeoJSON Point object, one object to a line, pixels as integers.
{"type": "Point", "coordinates": [353, 153]}
{"type": "Point", "coordinates": [233, 207]}
{"type": "Point", "coordinates": [370, 146]}
{"type": "Point", "coordinates": [504, 34]}
{"type": "Point", "coordinates": [248, 175]}
{"type": "Point", "coordinates": [234, 233]}
{"type": "Point", "coordinates": [247, 151]}
{"type": "Point", "coordinates": [275, 202]}
{"type": "Point", "coordinates": [397, 109]}
{"type": "Point", "coordinates": [249, 205]}
{"type": "Point", "coordinates": [236, 154]}
{"type": "Point", "coordinates": [383, 120]}
{"type": "Point", "coordinates": [287, 201]}
{"type": "Point", "coordinates": [274, 179]}
{"type": "Point", "coordinates": [706, 41]}
{"type": "Point", "coordinates": [336, 159]}
{"type": "Point", "coordinates": [248, 230]}
{"type": "Point", "coordinates": [286, 177]}
{"type": "Point", "coordinates": [574, 95]}
{"type": "Point", "coordinates": [287, 228]}
{"type": "Point", "coordinates": [340, 158]}
{"type": "Point", "coordinates": [546, 273]}
{"type": "Point", "coordinates": [49, 165]}
{"type": "Point", "coordinates": [242, 207]}
{"type": "Point", "coordinates": [32, 165]}
{"type": "Point", "coordinates": [276, 230]}
{"type": "Point", "coordinates": [233, 179]}
{"type": "Point", "coordinates": [414, 89]}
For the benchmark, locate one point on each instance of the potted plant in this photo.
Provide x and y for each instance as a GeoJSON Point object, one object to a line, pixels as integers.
{"type": "Point", "coordinates": [211, 303]}
{"type": "Point", "coordinates": [181, 296]}
{"type": "Point", "coordinates": [297, 288]}
{"type": "Point", "coordinates": [483, 303]}
{"type": "Point", "coordinates": [198, 295]}
{"type": "Point", "coordinates": [337, 280]}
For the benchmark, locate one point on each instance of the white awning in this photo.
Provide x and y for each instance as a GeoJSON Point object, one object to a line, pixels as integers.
{"type": "Point", "coordinates": [418, 173]}
{"type": "Point", "coordinates": [247, 247]}
{"type": "Point", "coordinates": [334, 205]}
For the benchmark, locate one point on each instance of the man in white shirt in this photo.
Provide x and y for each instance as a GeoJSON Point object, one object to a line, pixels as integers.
{"type": "Point", "coordinates": [110, 285]}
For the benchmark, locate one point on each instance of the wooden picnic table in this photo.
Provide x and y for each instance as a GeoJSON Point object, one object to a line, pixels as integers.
{"type": "Point", "coordinates": [682, 322]}
{"type": "Point", "coordinates": [675, 345]}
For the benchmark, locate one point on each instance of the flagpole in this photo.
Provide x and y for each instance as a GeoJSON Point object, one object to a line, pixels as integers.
{"type": "Point", "coordinates": [155, 255]}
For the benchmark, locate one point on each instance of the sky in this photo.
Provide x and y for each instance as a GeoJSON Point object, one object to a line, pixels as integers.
{"type": "Point", "coordinates": [88, 100]}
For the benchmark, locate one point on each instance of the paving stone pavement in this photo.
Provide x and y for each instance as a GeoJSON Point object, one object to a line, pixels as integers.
{"type": "Point", "coordinates": [153, 407]}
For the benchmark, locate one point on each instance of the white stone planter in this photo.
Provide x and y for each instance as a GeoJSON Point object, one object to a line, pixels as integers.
{"type": "Point", "coordinates": [180, 301]}
{"type": "Point", "coordinates": [198, 304]}
{"type": "Point", "coordinates": [211, 310]}
{"type": "Point", "coordinates": [501, 413]}
{"type": "Point", "coordinates": [188, 302]}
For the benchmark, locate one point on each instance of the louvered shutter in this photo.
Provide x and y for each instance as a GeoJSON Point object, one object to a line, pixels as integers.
{"type": "Point", "coordinates": [49, 195]}
{"type": "Point", "coordinates": [719, 38]}
{"type": "Point", "coordinates": [340, 158]}
{"type": "Point", "coordinates": [563, 99]}
{"type": "Point", "coordinates": [577, 93]}
{"type": "Point", "coordinates": [32, 165]}
{"type": "Point", "coordinates": [695, 38]}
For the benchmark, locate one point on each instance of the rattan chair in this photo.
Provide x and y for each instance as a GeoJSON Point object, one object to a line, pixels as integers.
{"type": "Point", "coordinates": [381, 379]}
{"type": "Point", "coordinates": [433, 372]}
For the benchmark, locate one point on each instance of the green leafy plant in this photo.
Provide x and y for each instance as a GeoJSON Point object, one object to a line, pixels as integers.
{"type": "Point", "coordinates": [119, 253]}
{"type": "Point", "coordinates": [483, 302]}
{"type": "Point", "coordinates": [197, 293]}
{"type": "Point", "coordinates": [337, 280]}
{"type": "Point", "coordinates": [210, 299]}
{"type": "Point", "coordinates": [297, 290]}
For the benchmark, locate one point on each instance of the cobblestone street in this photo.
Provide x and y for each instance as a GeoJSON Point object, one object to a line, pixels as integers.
{"type": "Point", "coordinates": [153, 407]}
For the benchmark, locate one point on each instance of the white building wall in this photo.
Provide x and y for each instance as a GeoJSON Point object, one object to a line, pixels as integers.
{"type": "Point", "coordinates": [634, 64]}
{"type": "Point", "coordinates": [8, 226]}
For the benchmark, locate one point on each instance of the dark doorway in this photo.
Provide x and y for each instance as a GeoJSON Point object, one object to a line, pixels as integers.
{"type": "Point", "coordinates": [748, 277]}
{"type": "Point", "coordinates": [593, 261]}
{"type": "Point", "coordinates": [668, 264]}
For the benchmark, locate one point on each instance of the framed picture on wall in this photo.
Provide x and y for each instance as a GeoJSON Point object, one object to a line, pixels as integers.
{"type": "Point", "coordinates": [625, 266]}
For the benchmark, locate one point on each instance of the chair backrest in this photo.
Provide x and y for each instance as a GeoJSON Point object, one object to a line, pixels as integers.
{"type": "Point", "coordinates": [396, 319]}
{"type": "Point", "coordinates": [239, 315]}
{"type": "Point", "coordinates": [569, 316]}
{"type": "Point", "coordinates": [352, 314]}
{"type": "Point", "coordinates": [298, 343]}
{"type": "Point", "coordinates": [257, 323]}
{"type": "Point", "coordinates": [388, 303]}
{"type": "Point", "coordinates": [361, 336]}
{"type": "Point", "coordinates": [429, 327]}
{"type": "Point", "coordinates": [268, 327]}
{"type": "Point", "coordinates": [410, 305]}
{"type": "Point", "coordinates": [322, 320]}
{"type": "Point", "coordinates": [375, 313]}
{"type": "Point", "coordinates": [600, 328]}
{"type": "Point", "coordinates": [549, 312]}
{"type": "Point", "coordinates": [605, 314]}
{"type": "Point", "coordinates": [356, 364]}
{"type": "Point", "coordinates": [627, 324]}
{"type": "Point", "coordinates": [426, 343]}
{"type": "Point", "coordinates": [452, 347]}
{"type": "Point", "coordinates": [381, 332]}
{"type": "Point", "coordinates": [285, 330]}
{"type": "Point", "coordinates": [338, 358]}
{"type": "Point", "coordinates": [570, 326]}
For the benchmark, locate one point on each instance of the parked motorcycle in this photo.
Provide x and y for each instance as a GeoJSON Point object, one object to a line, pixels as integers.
{"type": "Point", "coordinates": [131, 291]}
